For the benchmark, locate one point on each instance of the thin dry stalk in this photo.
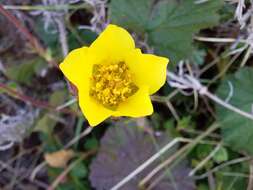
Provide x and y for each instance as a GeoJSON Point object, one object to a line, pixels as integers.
{"type": "Point", "coordinates": [188, 82]}
{"type": "Point", "coordinates": [187, 147]}
{"type": "Point", "coordinates": [250, 183]}
{"type": "Point", "coordinates": [32, 39]}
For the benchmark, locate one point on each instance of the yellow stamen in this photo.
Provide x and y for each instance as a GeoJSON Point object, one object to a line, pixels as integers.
{"type": "Point", "coordinates": [112, 84]}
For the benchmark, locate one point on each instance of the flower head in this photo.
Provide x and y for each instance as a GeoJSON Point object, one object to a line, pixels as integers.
{"type": "Point", "coordinates": [114, 78]}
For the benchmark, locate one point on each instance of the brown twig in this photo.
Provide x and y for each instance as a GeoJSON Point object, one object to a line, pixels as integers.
{"type": "Point", "coordinates": [32, 39]}
{"type": "Point", "coordinates": [34, 42]}
{"type": "Point", "coordinates": [37, 103]}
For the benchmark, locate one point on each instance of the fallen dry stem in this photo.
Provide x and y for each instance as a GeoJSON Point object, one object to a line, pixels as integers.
{"type": "Point", "coordinates": [186, 148]}
{"type": "Point", "coordinates": [37, 103]}
{"type": "Point", "coordinates": [188, 82]}
{"type": "Point", "coordinates": [217, 168]}
{"type": "Point", "coordinates": [157, 155]}
{"type": "Point", "coordinates": [33, 41]}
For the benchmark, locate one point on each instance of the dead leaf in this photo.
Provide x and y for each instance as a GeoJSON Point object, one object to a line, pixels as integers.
{"type": "Point", "coordinates": [124, 148]}
{"type": "Point", "coordinates": [59, 159]}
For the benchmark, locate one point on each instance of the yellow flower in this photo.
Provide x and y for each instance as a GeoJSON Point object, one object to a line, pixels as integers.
{"type": "Point", "coordinates": [114, 78]}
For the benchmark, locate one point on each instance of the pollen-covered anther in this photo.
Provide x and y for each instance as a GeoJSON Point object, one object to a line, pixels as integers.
{"type": "Point", "coordinates": [112, 84]}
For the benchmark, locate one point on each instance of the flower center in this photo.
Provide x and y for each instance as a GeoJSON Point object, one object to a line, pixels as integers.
{"type": "Point", "coordinates": [112, 84]}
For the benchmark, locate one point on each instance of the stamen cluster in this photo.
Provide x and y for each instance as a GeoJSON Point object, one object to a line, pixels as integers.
{"type": "Point", "coordinates": [112, 84]}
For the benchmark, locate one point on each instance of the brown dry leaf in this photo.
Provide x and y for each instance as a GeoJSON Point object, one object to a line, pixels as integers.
{"type": "Point", "coordinates": [59, 159]}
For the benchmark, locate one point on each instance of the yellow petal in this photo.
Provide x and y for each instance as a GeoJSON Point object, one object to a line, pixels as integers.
{"type": "Point", "coordinates": [94, 112]}
{"type": "Point", "coordinates": [77, 66]}
{"type": "Point", "coordinates": [112, 44]}
{"type": "Point", "coordinates": [138, 105]}
{"type": "Point", "coordinates": [147, 69]}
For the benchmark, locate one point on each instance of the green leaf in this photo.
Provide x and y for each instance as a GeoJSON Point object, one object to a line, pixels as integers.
{"type": "Point", "coordinates": [24, 71]}
{"type": "Point", "coordinates": [67, 186]}
{"type": "Point", "coordinates": [170, 24]}
{"type": "Point", "coordinates": [79, 171]}
{"type": "Point", "coordinates": [91, 143]}
{"type": "Point", "coordinates": [232, 177]}
{"type": "Point", "coordinates": [202, 187]}
{"type": "Point", "coordinates": [221, 155]}
{"type": "Point", "coordinates": [49, 38]}
{"type": "Point", "coordinates": [11, 85]}
{"type": "Point", "coordinates": [184, 123]}
{"type": "Point", "coordinates": [170, 128]}
{"type": "Point", "coordinates": [237, 131]}
{"type": "Point", "coordinates": [46, 123]}
{"type": "Point", "coordinates": [58, 97]}
{"type": "Point", "coordinates": [203, 150]}
{"type": "Point", "coordinates": [198, 56]}
{"type": "Point", "coordinates": [86, 36]}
